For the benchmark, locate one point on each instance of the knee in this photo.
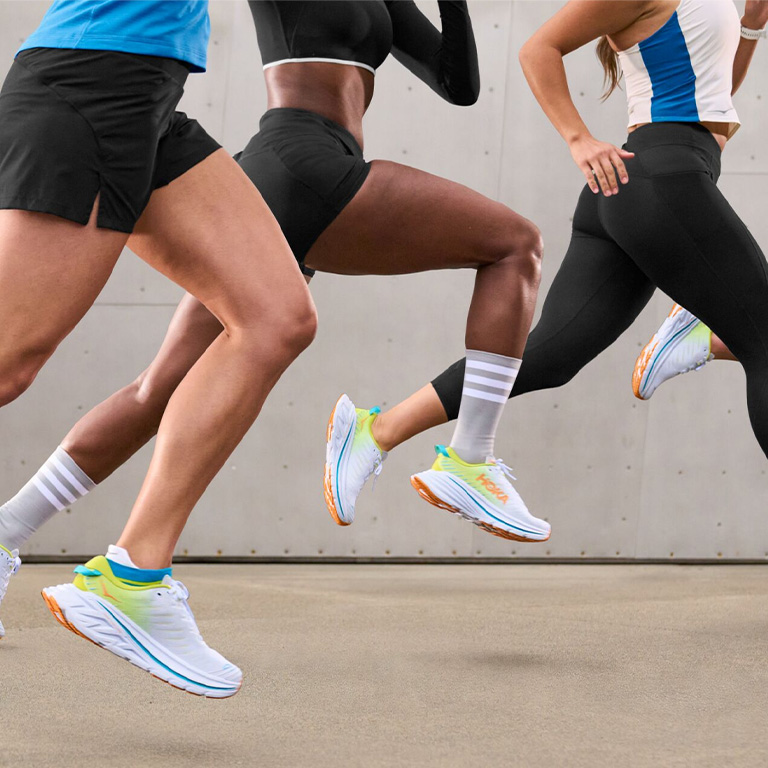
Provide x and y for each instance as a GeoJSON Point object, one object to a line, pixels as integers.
{"type": "Point", "coordinates": [544, 371]}
{"type": "Point", "coordinates": [16, 376]}
{"type": "Point", "coordinates": [520, 246]}
{"type": "Point", "coordinates": [300, 329]}
{"type": "Point", "coordinates": [293, 331]}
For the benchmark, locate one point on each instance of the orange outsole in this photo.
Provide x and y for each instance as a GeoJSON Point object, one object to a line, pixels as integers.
{"type": "Point", "coordinates": [327, 484]}
{"type": "Point", "coordinates": [58, 614]}
{"type": "Point", "coordinates": [640, 365]}
{"type": "Point", "coordinates": [426, 493]}
{"type": "Point", "coordinates": [642, 359]}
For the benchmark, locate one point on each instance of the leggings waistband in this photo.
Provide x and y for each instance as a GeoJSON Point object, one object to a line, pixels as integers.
{"type": "Point", "coordinates": [692, 135]}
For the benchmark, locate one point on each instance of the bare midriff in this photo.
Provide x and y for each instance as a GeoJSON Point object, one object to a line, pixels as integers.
{"type": "Point", "coordinates": [339, 92]}
{"type": "Point", "coordinates": [721, 131]}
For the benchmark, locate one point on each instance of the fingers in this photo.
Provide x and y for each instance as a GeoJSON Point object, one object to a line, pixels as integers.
{"type": "Point", "coordinates": [607, 169]}
{"type": "Point", "coordinates": [610, 176]}
{"type": "Point", "coordinates": [600, 175]}
{"type": "Point", "coordinates": [620, 168]}
{"type": "Point", "coordinates": [590, 177]}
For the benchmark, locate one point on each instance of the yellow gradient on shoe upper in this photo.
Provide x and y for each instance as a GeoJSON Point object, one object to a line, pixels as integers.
{"type": "Point", "coordinates": [127, 596]}
{"type": "Point", "coordinates": [365, 419]}
{"type": "Point", "coordinates": [7, 551]}
{"type": "Point", "coordinates": [477, 476]}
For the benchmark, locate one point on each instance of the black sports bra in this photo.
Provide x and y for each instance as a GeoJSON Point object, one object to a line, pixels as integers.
{"type": "Point", "coordinates": [362, 33]}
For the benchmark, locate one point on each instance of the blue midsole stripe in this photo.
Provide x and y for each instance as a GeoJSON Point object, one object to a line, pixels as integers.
{"type": "Point", "coordinates": [155, 659]}
{"type": "Point", "coordinates": [490, 514]}
{"type": "Point", "coordinates": [338, 462]}
{"type": "Point", "coordinates": [656, 359]}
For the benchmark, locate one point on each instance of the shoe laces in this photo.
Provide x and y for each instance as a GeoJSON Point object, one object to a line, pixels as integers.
{"type": "Point", "coordinates": [501, 466]}
{"type": "Point", "coordinates": [700, 364]}
{"type": "Point", "coordinates": [377, 467]}
{"type": "Point", "coordinates": [178, 590]}
{"type": "Point", "coordinates": [6, 575]}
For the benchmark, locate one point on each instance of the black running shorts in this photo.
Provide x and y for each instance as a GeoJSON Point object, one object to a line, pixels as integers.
{"type": "Point", "coordinates": [307, 169]}
{"type": "Point", "coordinates": [75, 124]}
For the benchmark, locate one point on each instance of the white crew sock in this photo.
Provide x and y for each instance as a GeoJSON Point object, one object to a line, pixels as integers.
{"type": "Point", "coordinates": [488, 380]}
{"type": "Point", "coordinates": [58, 484]}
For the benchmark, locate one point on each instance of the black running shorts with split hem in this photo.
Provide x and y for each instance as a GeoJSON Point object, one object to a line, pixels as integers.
{"type": "Point", "coordinates": [307, 168]}
{"type": "Point", "coordinates": [77, 124]}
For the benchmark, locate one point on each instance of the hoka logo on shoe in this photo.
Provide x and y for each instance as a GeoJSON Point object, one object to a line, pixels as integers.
{"type": "Point", "coordinates": [489, 485]}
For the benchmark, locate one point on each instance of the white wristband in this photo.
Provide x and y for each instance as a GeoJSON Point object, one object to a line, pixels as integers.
{"type": "Point", "coordinates": [752, 34]}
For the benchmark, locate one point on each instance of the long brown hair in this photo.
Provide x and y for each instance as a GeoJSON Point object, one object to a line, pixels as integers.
{"type": "Point", "coordinates": [610, 61]}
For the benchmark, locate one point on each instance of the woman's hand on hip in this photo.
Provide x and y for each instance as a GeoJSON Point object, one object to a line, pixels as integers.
{"type": "Point", "coordinates": [601, 163]}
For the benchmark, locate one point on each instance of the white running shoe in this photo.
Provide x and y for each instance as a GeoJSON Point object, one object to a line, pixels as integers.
{"type": "Point", "coordinates": [351, 457]}
{"type": "Point", "coordinates": [682, 344]}
{"type": "Point", "coordinates": [148, 624]}
{"type": "Point", "coordinates": [480, 493]}
{"type": "Point", "coordinates": [9, 565]}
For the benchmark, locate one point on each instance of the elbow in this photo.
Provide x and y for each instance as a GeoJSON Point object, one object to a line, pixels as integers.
{"type": "Point", "coordinates": [466, 98]}
{"type": "Point", "coordinates": [524, 55]}
{"type": "Point", "coordinates": [466, 95]}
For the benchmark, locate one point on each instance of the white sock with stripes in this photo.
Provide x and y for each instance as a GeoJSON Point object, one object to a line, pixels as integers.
{"type": "Point", "coordinates": [488, 380]}
{"type": "Point", "coordinates": [57, 484]}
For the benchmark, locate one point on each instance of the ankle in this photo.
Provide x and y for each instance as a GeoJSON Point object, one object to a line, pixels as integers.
{"type": "Point", "coordinates": [719, 350]}
{"type": "Point", "coordinates": [382, 432]}
{"type": "Point", "coordinates": [145, 557]}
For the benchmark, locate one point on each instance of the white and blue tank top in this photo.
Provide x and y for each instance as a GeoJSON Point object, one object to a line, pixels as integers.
{"type": "Point", "coordinates": [173, 29]}
{"type": "Point", "coordinates": [684, 71]}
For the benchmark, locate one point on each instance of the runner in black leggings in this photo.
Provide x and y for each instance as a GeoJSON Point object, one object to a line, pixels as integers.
{"type": "Point", "coordinates": [661, 220]}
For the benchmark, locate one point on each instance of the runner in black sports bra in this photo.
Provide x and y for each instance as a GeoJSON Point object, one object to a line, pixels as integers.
{"type": "Point", "coordinates": [308, 162]}
{"type": "Point", "coordinates": [344, 215]}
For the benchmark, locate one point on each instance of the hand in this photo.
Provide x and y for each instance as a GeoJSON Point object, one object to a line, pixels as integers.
{"type": "Point", "coordinates": [755, 14]}
{"type": "Point", "coordinates": [600, 162]}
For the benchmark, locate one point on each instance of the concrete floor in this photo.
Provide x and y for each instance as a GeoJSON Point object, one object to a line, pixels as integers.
{"type": "Point", "coordinates": [413, 666]}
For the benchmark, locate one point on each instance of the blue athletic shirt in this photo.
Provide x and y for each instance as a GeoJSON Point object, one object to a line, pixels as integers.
{"type": "Point", "coordinates": [174, 29]}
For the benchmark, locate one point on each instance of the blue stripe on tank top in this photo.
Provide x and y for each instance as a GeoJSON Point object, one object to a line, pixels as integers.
{"type": "Point", "coordinates": [665, 55]}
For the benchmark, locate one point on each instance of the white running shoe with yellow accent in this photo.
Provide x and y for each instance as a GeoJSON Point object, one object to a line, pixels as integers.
{"type": "Point", "coordinates": [480, 493]}
{"type": "Point", "coordinates": [352, 455]}
{"type": "Point", "coordinates": [9, 565]}
{"type": "Point", "coordinates": [682, 344]}
{"type": "Point", "coordinates": [148, 624]}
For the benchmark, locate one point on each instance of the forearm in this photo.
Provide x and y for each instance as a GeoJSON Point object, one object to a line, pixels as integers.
{"type": "Point", "coordinates": [754, 18]}
{"type": "Point", "coordinates": [459, 69]}
{"type": "Point", "coordinates": [744, 54]}
{"type": "Point", "coordinates": [545, 72]}
{"type": "Point", "coordinates": [446, 59]}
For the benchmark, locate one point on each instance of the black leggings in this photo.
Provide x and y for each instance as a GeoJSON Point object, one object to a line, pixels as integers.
{"type": "Point", "coordinates": [669, 227]}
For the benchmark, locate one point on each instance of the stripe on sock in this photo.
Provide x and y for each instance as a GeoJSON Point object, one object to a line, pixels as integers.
{"type": "Point", "coordinates": [493, 383]}
{"type": "Point", "coordinates": [488, 380]}
{"type": "Point", "coordinates": [468, 392]}
{"type": "Point", "coordinates": [58, 485]}
{"type": "Point", "coordinates": [73, 481]}
{"type": "Point", "coordinates": [52, 499]}
{"type": "Point", "coordinates": [481, 365]}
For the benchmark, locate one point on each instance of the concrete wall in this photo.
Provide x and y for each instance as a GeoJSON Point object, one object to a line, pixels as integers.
{"type": "Point", "coordinates": [679, 477]}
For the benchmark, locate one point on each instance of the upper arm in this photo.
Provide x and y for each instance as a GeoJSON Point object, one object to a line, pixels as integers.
{"type": "Point", "coordinates": [445, 59]}
{"type": "Point", "coordinates": [414, 37]}
{"type": "Point", "coordinates": [582, 21]}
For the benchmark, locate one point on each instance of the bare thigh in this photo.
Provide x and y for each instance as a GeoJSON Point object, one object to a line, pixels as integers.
{"type": "Point", "coordinates": [211, 232]}
{"type": "Point", "coordinates": [404, 220]}
{"type": "Point", "coordinates": [51, 271]}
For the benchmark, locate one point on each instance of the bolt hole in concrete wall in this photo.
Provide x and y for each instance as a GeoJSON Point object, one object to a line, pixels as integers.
{"type": "Point", "coordinates": [675, 479]}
